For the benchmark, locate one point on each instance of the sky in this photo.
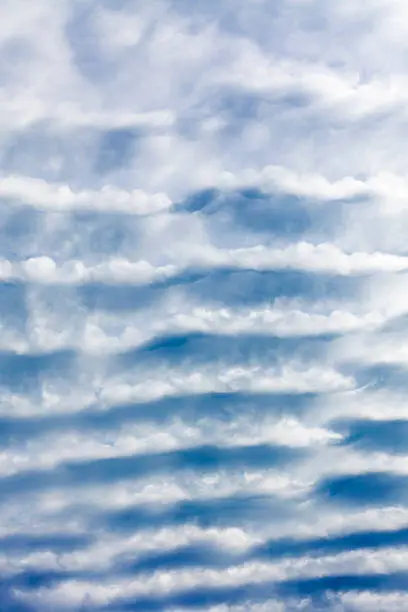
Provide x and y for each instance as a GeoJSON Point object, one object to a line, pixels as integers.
{"type": "Point", "coordinates": [203, 306]}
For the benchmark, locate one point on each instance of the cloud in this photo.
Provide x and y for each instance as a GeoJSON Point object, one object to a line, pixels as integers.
{"type": "Point", "coordinates": [161, 584]}
{"type": "Point", "coordinates": [111, 334]}
{"type": "Point", "coordinates": [203, 264]}
{"type": "Point", "coordinates": [133, 440]}
{"type": "Point", "coordinates": [139, 385]}
{"type": "Point", "coordinates": [61, 198]}
{"type": "Point", "coordinates": [302, 256]}
{"type": "Point", "coordinates": [367, 601]}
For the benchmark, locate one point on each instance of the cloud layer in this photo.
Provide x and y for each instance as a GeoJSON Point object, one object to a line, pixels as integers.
{"type": "Point", "coordinates": [203, 306]}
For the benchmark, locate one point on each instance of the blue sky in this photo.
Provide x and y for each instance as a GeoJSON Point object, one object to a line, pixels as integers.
{"type": "Point", "coordinates": [203, 306]}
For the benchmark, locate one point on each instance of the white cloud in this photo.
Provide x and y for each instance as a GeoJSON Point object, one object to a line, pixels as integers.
{"type": "Point", "coordinates": [61, 198]}
{"type": "Point", "coordinates": [96, 389]}
{"type": "Point", "coordinates": [291, 378]}
{"type": "Point", "coordinates": [133, 440]}
{"type": "Point", "coordinates": [120, 112]}
{"type": "Point", "coordinates": [366, 601]}
{"type": "Point", "coordinates": [72, 593]}
{"type": "Point", "coordinates": [45, 270]}
{"type": "Point", "coordinates": [325, 258]}
{"type": "Point", "coordinates": [367, 403]}
{"type": "Point", "coordinates": [111, 333]}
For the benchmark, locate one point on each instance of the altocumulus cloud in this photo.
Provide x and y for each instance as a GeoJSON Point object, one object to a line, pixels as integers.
{"type": "Point", "coordinates": [203, 306]}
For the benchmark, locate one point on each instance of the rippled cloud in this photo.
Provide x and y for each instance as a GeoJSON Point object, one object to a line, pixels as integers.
{"type": "Point", "coordinates": [203, 306]}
